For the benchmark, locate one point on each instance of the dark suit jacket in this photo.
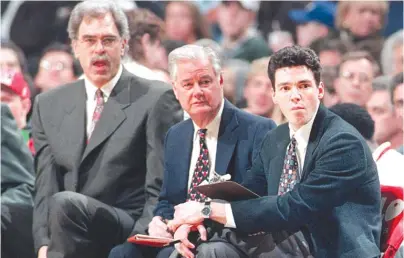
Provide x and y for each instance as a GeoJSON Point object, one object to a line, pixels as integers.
{"type": "Point", "coordinates": [122, 165]}
{"type": "Point", "coordinates": [239, 139]}
{"type": "Point", "coordinates": [17, 164]}
{"type": "Point", "coordinates": [336, 203]}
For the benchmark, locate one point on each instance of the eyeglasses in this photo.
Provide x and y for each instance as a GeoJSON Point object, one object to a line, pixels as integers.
{"type": "Point", "coordinates": [106, 42]}
{"type": "Point", "coordinates": [58, 66]}
{"type": "Point", "coordinates": [362, 77]}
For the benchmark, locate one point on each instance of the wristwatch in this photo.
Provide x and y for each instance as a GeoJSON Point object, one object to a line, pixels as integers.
{"type": "Point", "coordinates": [206, 211]}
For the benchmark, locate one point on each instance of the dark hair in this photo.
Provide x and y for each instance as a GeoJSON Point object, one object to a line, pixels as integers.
{"type": "Point", "coordinates": [142, 21]}
{"type": "Point", "coordinates": [356, 116]}
{"type": "Point", "coordinates": [395, 81]}
{"type": "Point", "coordinates": [169, 45]}
{"type": "Point", "coordinates": [327, 44]}
{"type": "Point", "coordinates": [19, 53]}
{"type": "Point", "coordinates": [357, 55]}
{"type": "Point", "coordinates": [59, 47]}
{"type": "Point", "coordinates": [294, 56]}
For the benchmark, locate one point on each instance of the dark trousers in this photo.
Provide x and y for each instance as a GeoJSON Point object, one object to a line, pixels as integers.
{"type": "Point", "coordinates": [129, 250]}
{"type": "Point", "coordinates": [227, 243]}
{"type": "Point", "coordinates": [81, 226]}
{"type": "Point", "coordinates": [16, 231]}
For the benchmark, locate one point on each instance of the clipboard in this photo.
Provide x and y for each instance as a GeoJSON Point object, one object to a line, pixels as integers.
{"type": "Point", "coordinates": [152, 241]}
{"type": "Point", "coordinates": [228, 190]}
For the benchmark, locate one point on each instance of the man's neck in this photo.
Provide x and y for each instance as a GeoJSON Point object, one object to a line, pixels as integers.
{"type": "Point", "coordinates": [203, 120]}
{"type": "Point", "coordinates": [397, 140]}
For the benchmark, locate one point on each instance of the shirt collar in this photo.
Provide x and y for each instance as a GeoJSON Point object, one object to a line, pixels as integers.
{"type": "Point", "coordinates": [106, 88]}
{"type": "Point", "coordinates": [213, 126]}
{"type": "Point", "coordinates": [302, 135]}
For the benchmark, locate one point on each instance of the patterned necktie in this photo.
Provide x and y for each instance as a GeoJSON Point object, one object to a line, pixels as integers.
{"type": "Point", "coordinates": [290, 173]}
{"type": "Point", "coordinates": [201, 171]}
{"type": "Point", "coordinates": [99, 98]}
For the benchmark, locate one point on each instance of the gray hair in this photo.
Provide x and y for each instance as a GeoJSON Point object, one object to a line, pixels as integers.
{"type": "Point", "coordinates": [195, 52]}
{"type": "Point", "coordinates": [96, 9]}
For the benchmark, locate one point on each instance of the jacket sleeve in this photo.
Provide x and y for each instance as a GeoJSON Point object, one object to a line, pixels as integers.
{"type": "Point", "coordinates": [47, 180]}
{"type": "Point", "coordinates": [340, 167]}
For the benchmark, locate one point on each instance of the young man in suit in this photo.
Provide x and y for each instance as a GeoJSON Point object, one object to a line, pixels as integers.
{"type": "Point", "coordinates": [317, 170]}
{"type": "Point", "coordinates": [99, 143]}
{"type": "Point", "coordinates": [219, 138]}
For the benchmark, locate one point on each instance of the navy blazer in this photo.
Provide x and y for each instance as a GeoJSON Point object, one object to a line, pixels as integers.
{"type": "Point", "coordinates": [337, 202]}
{"type": "Point", "coordinates": [239, 140]}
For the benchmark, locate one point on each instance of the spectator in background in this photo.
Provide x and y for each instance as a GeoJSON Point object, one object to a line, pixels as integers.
{"type": "Point", "coordinates": [397, 94]}
{"type": "Point", "coordinates": [12, 58]}
{"type": "Point", "coordinates": [397, 98]}
{"type": "Point", "coordinates": [240, 39]}
{"type": "Point", "coordinates": [329, 76]}
{"type": "Point", "coordinates": [57, 66]}
{"type": "Point", "coordinates": [279, 39]}
{"type": "Point", "coordinates": [360, 25]}
{"type": "Point", "coordinates": [385, 157]}
{"type": "Point", "coordinates": [184, 22]}
{"type": "Point", "coordinates": [330, 51]}
{"type": "Point", "coordinates": [355, 76]}
{"type": "Point", "coordinates": [146, 53]}
{"type": "Point", "coordinates": [239, 70]}
{"type": "Point", "coordinates": [388, 126]}
{"type": "Point", "coordinates": [314, 22]}
{"type": "Point", "coordinates": [17, 189]}
{"type": "Point", "coordinates": [16, 94]}
{"type": "Point", "coordinates": [392, 54]}
{"type": "Point", "coordinates": [258, 92]}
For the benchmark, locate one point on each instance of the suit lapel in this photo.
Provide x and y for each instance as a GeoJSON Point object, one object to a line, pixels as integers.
{"type": "Point", "coordinates": [276, 164]}
{"type": "Point", "coordinates": [112, 115]}
{"type": "Point", "coordinates": [227, 138]}
{"type": "Point", "coordinates": [185, 151]}
{"type": "Point", "coordinates": [75, 114]}
{"type": "Point", "coordinates": [314, 139]}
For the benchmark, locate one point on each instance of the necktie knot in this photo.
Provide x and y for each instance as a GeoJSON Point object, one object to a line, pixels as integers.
{"type": "Point", "coordinates": [202, 133]}
{"type": "Point", "coordinates": [99, 96]}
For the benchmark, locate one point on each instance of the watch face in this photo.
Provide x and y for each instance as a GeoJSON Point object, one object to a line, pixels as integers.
{"type": "Point", "coordinates": [206, 211]}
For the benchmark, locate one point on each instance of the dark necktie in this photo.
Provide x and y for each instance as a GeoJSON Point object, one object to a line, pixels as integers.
{"type": "Point", "coordinates": [290, 173]}
{"type": "Point", "coordinates": [201, 172]}
{"type": "Point", "coordinates": [99, 97]}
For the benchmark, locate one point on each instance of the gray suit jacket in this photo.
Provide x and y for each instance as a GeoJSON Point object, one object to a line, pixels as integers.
{"type": "Point", "coordinates": [17, 165]}
{"type": "Point", "coordinates": [122, 164]}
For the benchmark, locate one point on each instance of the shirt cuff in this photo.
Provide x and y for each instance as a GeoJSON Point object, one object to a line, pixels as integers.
{"type": "Point", "coordinates": [230, 223]}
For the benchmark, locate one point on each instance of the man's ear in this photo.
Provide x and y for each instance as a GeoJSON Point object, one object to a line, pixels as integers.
{"type": "Point", "coordinates": [75, 48]}
{"type": "Point", "coordinates": [274, 97]}
{"type": "Point", "coordinates": [123, 46]}
{"type": "Point", "coordinates": [321, 90]}
{"type": "Point", "coordinates": [174, 89]}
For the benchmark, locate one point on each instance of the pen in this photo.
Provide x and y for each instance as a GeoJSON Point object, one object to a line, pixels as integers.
{"type": "Point", "coordinates": [172, 243]}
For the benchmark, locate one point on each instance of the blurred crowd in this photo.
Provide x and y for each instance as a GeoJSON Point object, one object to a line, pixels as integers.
{"type": "Point", "coordinates": [359, 43]}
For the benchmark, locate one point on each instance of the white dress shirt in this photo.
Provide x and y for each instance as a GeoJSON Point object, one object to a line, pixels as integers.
{"type": "Point", "coordinates": [302, 136]}
{"type": "Point", "coordinates": [211, 143]}
{"type": "Point", "coordinates": [91, 97]}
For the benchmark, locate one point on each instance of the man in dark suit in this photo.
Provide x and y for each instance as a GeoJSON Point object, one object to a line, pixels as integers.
{"type": "Point", "coordinates": [232, 138]}
{"type": "Point", "coordinates": [17, 188]}
{"type": "Point", "coordinates": [317, 170]}
{"type": "Point", "coordinates": [99, 144]}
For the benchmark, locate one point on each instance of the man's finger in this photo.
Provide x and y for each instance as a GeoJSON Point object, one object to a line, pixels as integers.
{"type": "Point", "coordinates": [184, 251]}
{"type": "Point", "coordinates": [202, 231]}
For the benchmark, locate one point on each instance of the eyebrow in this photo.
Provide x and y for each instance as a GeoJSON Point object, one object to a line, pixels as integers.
{"type": "Point", "coordinates": [288, 83]}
